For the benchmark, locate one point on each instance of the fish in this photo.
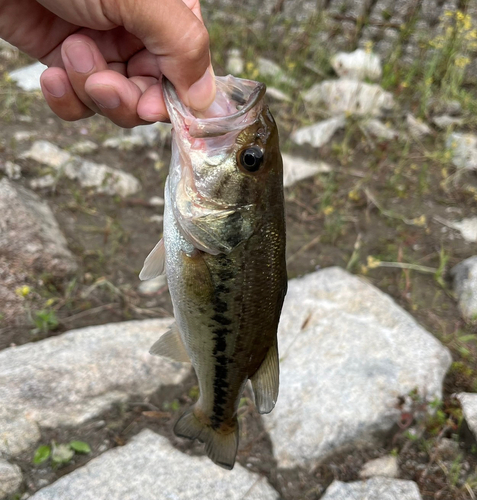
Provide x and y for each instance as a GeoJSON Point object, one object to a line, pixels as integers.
{"type": "Point", "coordinates": [223, 252]}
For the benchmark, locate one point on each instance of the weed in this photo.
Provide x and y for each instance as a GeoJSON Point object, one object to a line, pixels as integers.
{"type": "Point", "coordinates": [60, 454]}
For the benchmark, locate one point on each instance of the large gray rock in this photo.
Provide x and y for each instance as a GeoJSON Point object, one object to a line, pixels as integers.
{"type": "Point", "coordinates": [465, 287]}
{"type": "Point", "coordinates": [469, 408]}
{"type": "Point", "coordinates": [10, 478]}
{"type": "Point", "coordinates": [29, 231]}
{"type": "Point", "coordinates": [68, 379]}
{"type": "Point", "coordinates": [149, 468]}
{"type": "Point", "coordinates": [30, 240]}
{"type": "Point", "coordinates": [102, 178]}
{"type": "Point", "coordinates": [378, 488]}
{"type": "Point", "coordinates": [348, 353]}
{"type": "Point", "coordinates": [28, 77]}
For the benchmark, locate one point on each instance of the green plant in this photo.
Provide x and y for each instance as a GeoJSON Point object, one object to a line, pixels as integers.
{"type": "Point", "coordinates": [44, 321]}
{"type": "Point", "coordinates": [60, 453]}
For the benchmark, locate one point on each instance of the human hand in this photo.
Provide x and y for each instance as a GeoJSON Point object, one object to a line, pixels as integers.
{"type": "Point", "coordinates": [107, 56]}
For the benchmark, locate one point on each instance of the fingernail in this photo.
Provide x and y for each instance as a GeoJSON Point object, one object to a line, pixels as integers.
{"type": "Point", "coordinates": [202, 93]}
{"type": "Point", "coordinates": [80, 56]}
{"type": "Point", "coordinates": [55, 86]}
{"type": "Point", "coordinates": [105, 97]}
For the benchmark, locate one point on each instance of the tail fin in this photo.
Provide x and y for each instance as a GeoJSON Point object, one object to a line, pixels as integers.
{"type": "Point", "coordinates": [220, 448]}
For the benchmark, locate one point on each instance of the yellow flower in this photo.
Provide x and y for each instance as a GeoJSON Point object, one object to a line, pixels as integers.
{"type": "Point", "coordinates": [462, 62]}
{"type": "Point", "coordinates": [372, 262]}
{"type": "Point", "coordinates": [420, 221]}
{"type": "Point", "coordinates": [23, 291]}
{"type": "Point", "coordinates": [354, 195]}
{"type": "Point", "coordinates": [49, 302]}
{"type": "Point", "coordinates": [328, 210]}
{"type": "Point", "coordinates": [368, 47]}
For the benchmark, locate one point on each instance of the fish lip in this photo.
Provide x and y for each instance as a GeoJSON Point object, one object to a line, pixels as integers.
{"type": "Point", "coordinates": [217, 126]}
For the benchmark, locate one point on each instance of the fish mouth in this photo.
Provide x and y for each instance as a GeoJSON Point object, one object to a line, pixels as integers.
{"type": "Point", "coordinates": [236, 105]}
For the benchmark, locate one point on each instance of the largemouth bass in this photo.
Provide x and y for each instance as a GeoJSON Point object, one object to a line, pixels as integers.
{"type": "Point", "coordinates": [223, 251]}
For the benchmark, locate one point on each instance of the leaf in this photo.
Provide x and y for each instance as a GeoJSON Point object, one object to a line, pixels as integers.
{"type": "Point", "coordinates": [62, 454]}
{"type": "Point", "coordinates": [80, 446]}
{"type": "Point", "coordinates": [41, 454]}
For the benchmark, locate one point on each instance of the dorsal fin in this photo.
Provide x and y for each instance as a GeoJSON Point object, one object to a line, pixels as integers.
{"type": "Point", "coordinates": [265, 381]}
{"type": "Point", "coordinates": [170, 346]}
{"type": "Point", "coordinates": [154, 263]}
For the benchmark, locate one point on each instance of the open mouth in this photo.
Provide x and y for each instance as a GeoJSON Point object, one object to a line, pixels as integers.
{"type": "Point", "coordinates": [236, 106]}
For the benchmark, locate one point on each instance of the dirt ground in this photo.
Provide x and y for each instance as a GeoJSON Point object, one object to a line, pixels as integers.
{"type": "Point", "coordinates": [380, 205]}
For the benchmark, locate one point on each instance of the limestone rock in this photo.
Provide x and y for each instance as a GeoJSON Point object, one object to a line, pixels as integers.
{"type": "Point", "coordinates": [12, 170]}
{"type": "Point", "coordinates": [464, 150]}
{"type": "Point", "coordinates": [102, 178]}
{"type": "Point", "coordinates": [417, 128]}
{"type": "Point", "coordinates": [444, 121]}
{"type": "Point", "coordinates": [384, 466]}
{"type": "Point", "coordinates": [465, 286]}
{"type": "Point", "coordinates": [380, 130]}
{"type": "Point", "coordinates": [350, 96]}
{"type": "Point", "coordinates": [84, 148]}
{"type": "Point", "coordinates": [469, 407]}
{"type": "Point", "coordinates": [10, 478]}
{"type": "Point", "coordinates": [149, 468]}
{"type": "Point", "coordinates": [319, 133]}
{"type": "Point", "coordinates": [377, 488]}
{"type": "Point", "coordinates": [69, 379]}
{"type": "Point", "coordinates": [29, 233]}
{"type": "Point", "coordinates": [28, 78]}
{"type": "Point", "coordinates": [348, 353]}
{"type": "Point", "coordinates": [296, 169]}
{"type": "Point", "coordinates": [151, 287]}
{"type": "Point", "coordinates": [357, 65]}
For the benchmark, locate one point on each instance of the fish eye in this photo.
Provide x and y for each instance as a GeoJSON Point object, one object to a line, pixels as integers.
{"type": "Point", "coordinates": [251, 158]}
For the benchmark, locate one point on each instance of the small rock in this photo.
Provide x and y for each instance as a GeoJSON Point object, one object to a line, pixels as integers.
{"type": "Point", "coordinates": [156, 218]}
{"type": "Point", "coordinates": [235, 64]}
{"type": "Point", "coordinates": [48, 154]}
{"type": "Point", "coordinates": [270, 69]}
{"type": "Point", "coordinates": [384, 466]}
{"type": "Point", "coordinates": [10, 478]}
{"type": "Point", "coordinates": [464, 150]}
{"type": "Point", "coordinates": [12, 170]}
{"type": "Point", "coordinates": [464, 275]}
{"type": "Point", "coordinates": [24, 135]}
{"type": "Point", "coordinates": [7, 50]}
{"type": "Point", "coordinates": [445, 121]}
{"type": "Point", "coordinates": [71, 378]}
{"type": "Point", "coordinates": [357, 65]}
{"type": "Point", "coordinates": [151, 287]}
{"type": "Point", "coordinates": [124, 143]}
{"type": "Point", "coordinates": [469, 408]}
{"type": "Point", "coordinates": [377, 488]}
{"type": "Point", "coordinates": [417, 128]}
{"type": "Point", "coordinates": [348, 353]}
{"type": "Point", "coordinates": [84, 148]}
{"type": "Point", "coordinates": [448, 449]}
{"type": "Point", "coordinates": [380, 130]}
{"type": "Point", "coordinates": [102, 178]}
{"type": "Point", "coordinates": [278, 94]}
{"type": "Point", "coordinates": [43, 182]}
{"type": "Point", "coordinates": [467, 228]}
{"type": "Point", "coordinates": [141, 136]}
{"type": "Point", "coordinates": [296, 169]}
{"type": "Point", "coordinates": [150, 468]}
{"type": "Point", "coordinates": [156, 201]}
{"type": "Point", "coordinates": [350, 96]}
{"type": "Point", "coordinates": [28, 78]}
{"type": "Point", "coordinates": [319, 133]}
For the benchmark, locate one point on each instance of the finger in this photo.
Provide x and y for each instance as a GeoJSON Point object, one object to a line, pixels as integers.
{"type": "Point", "coordinates": [177, 37]}
{"type": "Point", "coordinates": [82, 59]}
{"type": "Point", "coordinates": [151, 106]}
{"type": "Point", "coordinates": [120, 68]}
{"type": "Point", "coordinates": [60, 96]}
{"type": "Point", "coordinates": [117, 97]}
{"type": "Point", "coordinates": [143, 63]}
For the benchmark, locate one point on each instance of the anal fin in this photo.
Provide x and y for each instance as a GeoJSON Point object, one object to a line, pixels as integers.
{"type": "Point", "coordinates": [265, 381]}
{"type": "Point", "coordinates": [170, 346]}
{"type": "Point", "coordinates": [154, 263]}
{"type": "Point", "coordinates": [221, 447]}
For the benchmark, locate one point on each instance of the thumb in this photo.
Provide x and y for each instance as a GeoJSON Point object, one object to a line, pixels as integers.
{"type": "Point", "coordinates": [171, 31]}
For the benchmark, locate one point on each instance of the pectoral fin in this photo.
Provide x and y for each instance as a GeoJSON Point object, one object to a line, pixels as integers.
{"type": "Point", "coordinates": [265, 381]}
{"type": "Point", "coordinates": [170, 346]}
{"type": "Point", "coordinates": [154, 263]}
